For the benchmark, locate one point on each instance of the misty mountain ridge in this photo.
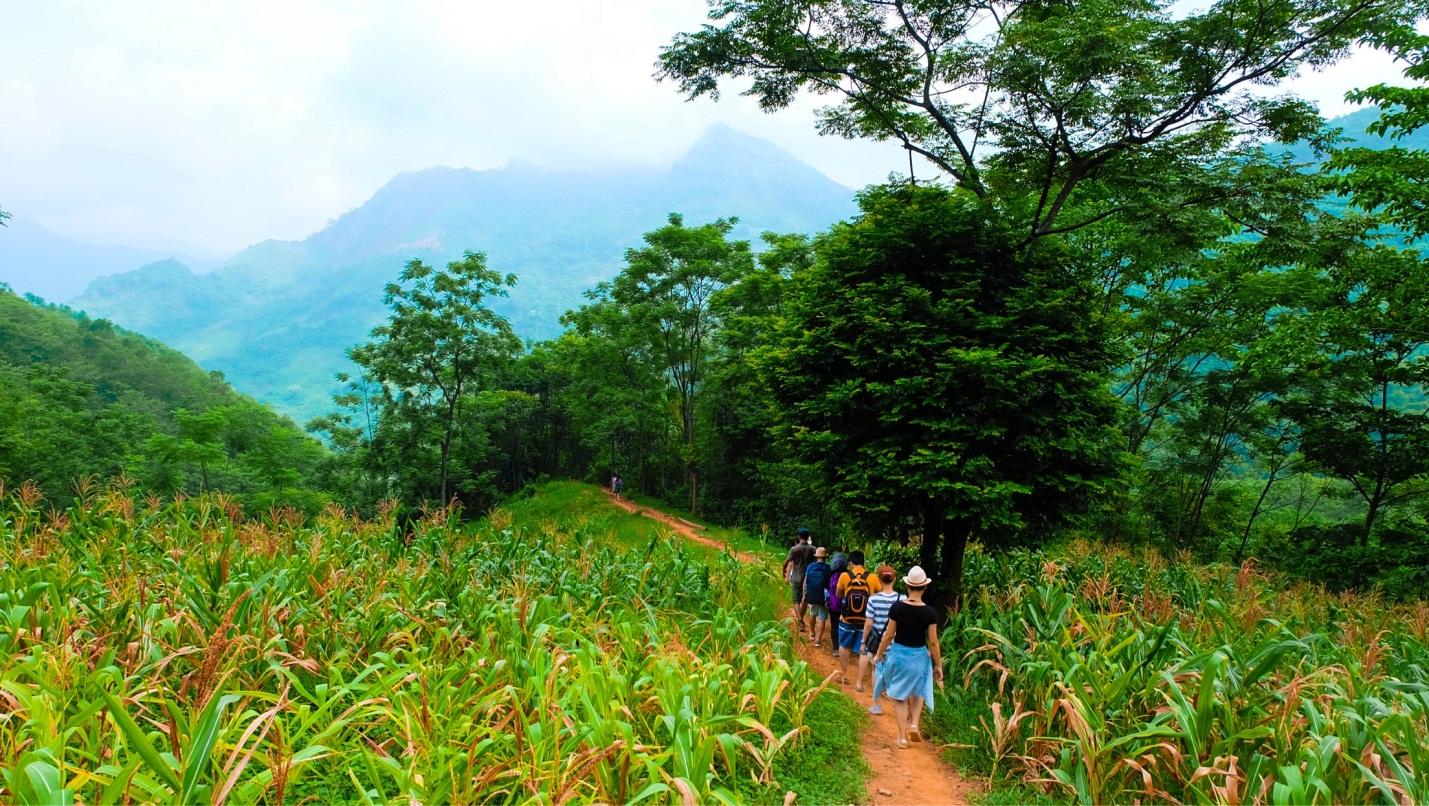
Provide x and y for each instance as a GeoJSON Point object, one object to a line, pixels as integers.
{"type": "Point", "coordinates": [277, 318]}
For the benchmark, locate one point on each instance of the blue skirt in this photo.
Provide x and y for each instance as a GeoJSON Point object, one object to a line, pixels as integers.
{"type": "Point", "coordinates": [906, 672]}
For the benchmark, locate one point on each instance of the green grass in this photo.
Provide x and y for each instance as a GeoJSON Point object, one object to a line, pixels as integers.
{"type": "Point", "coordinates": [737, 539]}
{"type": "Point", "coordinates": [573, 503]}
{"type": "Point", "coordinates": [826, 764]}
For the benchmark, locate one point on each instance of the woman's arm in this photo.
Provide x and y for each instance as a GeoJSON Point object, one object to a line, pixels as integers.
{"type": "Point", "coordinates": [888, 630]}
{"type": "Point", "coordinates": [937, 652]}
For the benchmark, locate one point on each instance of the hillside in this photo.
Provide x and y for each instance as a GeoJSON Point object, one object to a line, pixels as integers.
{"type": "Point", "coordinates": [34, 260]}
{"type": "Point", "coordinates": [277, 318]}
{"type": "Point", "coordinates": [80, 397]}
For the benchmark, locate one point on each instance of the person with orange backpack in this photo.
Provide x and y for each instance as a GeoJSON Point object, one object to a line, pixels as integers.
{"type": "Point", "coordinates": [855, 587]}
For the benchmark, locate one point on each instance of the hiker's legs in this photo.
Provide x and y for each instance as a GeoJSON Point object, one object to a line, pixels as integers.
{"type": "Point", "coordinates": [850, 637]}
{"type": "Point", "coordinates": [900, 716]}
{"type": "Point", "coordinates": [915, 712]}
{"type": "Point", "coordinates": [863, 663]}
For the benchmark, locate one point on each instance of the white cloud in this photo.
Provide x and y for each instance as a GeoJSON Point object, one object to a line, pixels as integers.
{"type": "Point", "coordinates": [176, 124]}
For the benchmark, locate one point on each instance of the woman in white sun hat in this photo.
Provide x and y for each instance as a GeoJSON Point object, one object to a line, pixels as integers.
{"type": "Point", "coordinates": [908, 660]}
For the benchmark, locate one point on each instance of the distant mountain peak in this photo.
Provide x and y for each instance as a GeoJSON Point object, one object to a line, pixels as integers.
{"type": "Point", "coordinates": [722, 154]}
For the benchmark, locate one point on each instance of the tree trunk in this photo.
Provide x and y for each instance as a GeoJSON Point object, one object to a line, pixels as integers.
{"type": "Point", "coordinates": [1254, 513]}
{"type": "Point", "coordinates": [1374, 504]}
{"type": "Point", "coordinates": [694, 491]}
{"type": "Point", "coordinates": [932, 536]}
{"type": "Point", "coordinates": [446, 451]}
{"type": "Point", "coordinates": [950, 571]}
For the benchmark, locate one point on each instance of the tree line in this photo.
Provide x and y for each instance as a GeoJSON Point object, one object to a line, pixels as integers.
{"type": "Point", "coordinates": [1116, 307]}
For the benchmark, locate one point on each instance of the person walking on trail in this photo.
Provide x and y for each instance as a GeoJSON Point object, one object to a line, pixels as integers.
{"type": "Point", "coordinates": [838, 566]}
{"type": "Point", "coordinates": [800, 555]}
{"type": "Point", "coordinates": [909, 661]}
{"type": "Point", "coordinates": [816, 580]}
{"type": "Point", "coordinates": [873, 626]}
{"type": "Point", "coordinates": [854, 588]}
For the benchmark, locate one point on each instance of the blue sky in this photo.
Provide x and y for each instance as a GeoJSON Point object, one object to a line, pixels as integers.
{"type": "Point", "coordinates": [205, 127]}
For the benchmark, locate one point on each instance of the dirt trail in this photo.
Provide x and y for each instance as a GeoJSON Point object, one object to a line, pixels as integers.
{"type": "Point", "coordinates": [912, 777]}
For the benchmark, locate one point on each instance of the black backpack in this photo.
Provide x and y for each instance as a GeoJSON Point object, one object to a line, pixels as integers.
{"type": "Point", "coordinates": [855, 597]}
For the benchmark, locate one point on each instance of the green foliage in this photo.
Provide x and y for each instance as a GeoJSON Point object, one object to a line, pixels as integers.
{"type": "Point", "coordinates": [177, 651]}
{"type": "Point", "coordinates": [1108, 677]}
{"type": "Point", "coordinates": [933, 371]}
{"type": "Point", "coordinates": [428, 393]}
{"type": "Point", "coordinates": [1394, 179]}
{"type": "Point", "coordinates": [1087, 107]}
{"type": "Point", "coordinates": [81, 399]}
{"type": "Point", "coordinates": [1395, 562]}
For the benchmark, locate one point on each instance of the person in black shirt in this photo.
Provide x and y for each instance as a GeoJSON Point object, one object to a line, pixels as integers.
{"type": "Point", "coordinates": [909, 661]}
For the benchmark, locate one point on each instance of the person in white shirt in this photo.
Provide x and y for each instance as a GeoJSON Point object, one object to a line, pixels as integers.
{"type": "Point", "coordinates": [873, 627]}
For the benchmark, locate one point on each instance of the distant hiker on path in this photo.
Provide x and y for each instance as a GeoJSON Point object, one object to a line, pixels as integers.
{"type": "Point", "coordinates": [800, 555]}
{"type": "Point", "coordinates": [878, 606]}
{"type": "Point", "coordinates": [854, 588]}
{"type": "Point", "coordinates": [616, 485]}
{"type": "Point", "coordinates": [908, 660]}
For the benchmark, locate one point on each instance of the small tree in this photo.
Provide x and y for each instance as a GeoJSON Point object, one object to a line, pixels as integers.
{"type": "Point", "coordinates": [441, 343]}
{"type": "Point", "coordinates": [1363, 415]}
{"type": "Point", "coordinates": [931, 370]}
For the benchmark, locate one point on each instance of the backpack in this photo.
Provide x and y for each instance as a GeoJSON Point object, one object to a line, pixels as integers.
{"type": "Point", "coordinates": [816, 578]}
{"type": "Point", "coordinates": [855, 598]}
{"type": "Point", "coordinates": [832, 598]}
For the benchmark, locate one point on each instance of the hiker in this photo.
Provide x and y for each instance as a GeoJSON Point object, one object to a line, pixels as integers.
{"type": "Point", "coordinates": [619, 486]}
{"type": "Point", "coordinates": [873, 626]}
{"type": "Point", "coordinates": [908, 660]}
{"type": "Point", "coordinates": [854, 588]}
{"type": "Point", "coordinates": [837, 566]}
{"type": "Point", "coordinates": [816, 580]}
{"type": "Point", "coordinates": [615, 484]}
{"type": "Point", "coordinates": [800, 555]}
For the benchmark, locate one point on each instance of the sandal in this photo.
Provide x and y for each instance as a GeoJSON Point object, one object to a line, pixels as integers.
{"type": "Point", "coordinates": [902, 744]}
{"type": "Point", "coordinates": [818, 645]}
{"type": "Point", "coordinates": [915, 735]}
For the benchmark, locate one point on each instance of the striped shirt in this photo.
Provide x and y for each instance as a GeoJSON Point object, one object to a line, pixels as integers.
{"type": "Point", "coordinates": [878, 606]}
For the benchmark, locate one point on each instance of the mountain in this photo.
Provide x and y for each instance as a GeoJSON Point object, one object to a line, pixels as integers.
{"type": "Point", "coordinates": [34, 260]}
{"type": "Point", "coordinates": [277, 318]}
{"type": "Point", "coordinates": [80, 398]}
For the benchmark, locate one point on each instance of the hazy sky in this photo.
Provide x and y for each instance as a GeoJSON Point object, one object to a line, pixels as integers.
{"type": "Point", "coordinates": [206, 127]}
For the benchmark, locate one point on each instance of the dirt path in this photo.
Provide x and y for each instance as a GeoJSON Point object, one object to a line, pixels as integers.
{"type": "Point", "coordinates": [911, 777]}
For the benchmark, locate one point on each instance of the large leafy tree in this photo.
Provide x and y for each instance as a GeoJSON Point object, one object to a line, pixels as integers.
{"type": "Point", "coordinates": [1067, 112]}
{"type": "Point", "coordinates": [933, 370]}
{"type": "Point", "coordinates": [662, 305]}
{"type": "Point", "coordinates": [441, 345]}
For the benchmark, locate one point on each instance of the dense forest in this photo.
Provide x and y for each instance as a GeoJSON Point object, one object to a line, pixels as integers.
{"type": "Point", "coordinates": [82, 401]}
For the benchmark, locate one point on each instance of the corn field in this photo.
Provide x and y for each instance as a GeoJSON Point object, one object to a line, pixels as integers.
{"type": "Point", "coordinates": [1112, 677]}
{"type": "Point", "coordinates": [180, 651]}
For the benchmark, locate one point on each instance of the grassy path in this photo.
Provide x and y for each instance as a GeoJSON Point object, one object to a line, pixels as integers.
{"type": "Point", "coordinates": [916, 775]}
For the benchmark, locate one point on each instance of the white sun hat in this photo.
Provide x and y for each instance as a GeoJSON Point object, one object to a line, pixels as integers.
{"type": "Point", "coordinates": [916, 578]}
